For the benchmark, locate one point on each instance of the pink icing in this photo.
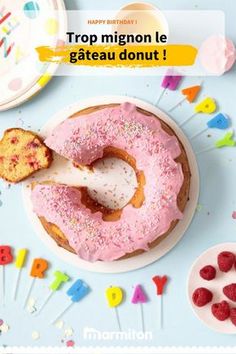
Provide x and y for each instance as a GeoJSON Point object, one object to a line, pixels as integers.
{"type": "Point", "coordinates": [217, 54]}
{"type": "Point", "coordinates": [82, 140]}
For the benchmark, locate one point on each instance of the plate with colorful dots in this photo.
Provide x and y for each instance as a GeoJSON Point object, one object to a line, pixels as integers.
{"type": "Point", "coordinates": [24, 26]}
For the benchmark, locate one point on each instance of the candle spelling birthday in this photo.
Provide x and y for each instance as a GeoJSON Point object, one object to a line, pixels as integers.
{"type": "Point", "coordinates": [139, 297]}
{"type": "Point", "coordinates": [19, 263]}
{"type": "Point", "coordinates": [220, 121]}
{"type": "Point", "coordinates": [76, 293]}
{"type": "Point", "coordinates": [160, 282]}
{"type": "Point", "coordinates": [59, 280]}
{"type": "Point", "coordinates": [207, 106]}
{"type": "Point", "coordinates": [38, 270]}
{"type": "Point", "coordinates": [114, 297]}
{"type": "Point", "coordinates": [190, 94]}
{"type": "Point", "coordinates": [170, 82]}
{"type": "Point", "coordinates": [6, 257]}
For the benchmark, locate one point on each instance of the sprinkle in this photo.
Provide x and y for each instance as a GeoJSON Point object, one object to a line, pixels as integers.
{"type": "Point", "coordinates": [1, 322]}
{"type": "Point", "coordinates": [59, 324]}
{"type": "Point", "coordinates": [70, 343]}
{"type": "Point", "coordinates": [68, 332]}
{"type": "Point", "coordinates": [31, 308]}
{"type": "Point", "coordinates": [35, 335]}
{"type": "Point", "coordinates": [234, 215]}
{"type": "Point", "coordinates": [199, 207]}
{"type": "Point", "coordinates": [4, 328]}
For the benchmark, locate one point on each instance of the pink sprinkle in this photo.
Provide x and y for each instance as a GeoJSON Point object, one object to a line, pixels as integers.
{"type": "Point", "coordinates": [70, 343]}
{"type": "Point", "coordinates": [234, 215]}
{"type": "Point", "coordinates": [1, 322]}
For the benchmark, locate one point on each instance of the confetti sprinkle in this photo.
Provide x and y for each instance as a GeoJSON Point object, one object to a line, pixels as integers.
{"type": "Point", "coordinates": [199, 207]}
{"type": "Point", "coordinates": [31, 308]}
{"type": "Point", "coordinates": [35, 335]}
{"type": "Point", "coordinates": [70, 343]}
{"type": "Point", "coordinates": [59, 324]}
{"type": "Point", "coordinates": [1, 322]}
{"type": "Point", "coordinates": [4, 328]}
{"type": "Point", "coordinates": [234, 215]}
{"type": "Point", "coordinates": [68, 332]}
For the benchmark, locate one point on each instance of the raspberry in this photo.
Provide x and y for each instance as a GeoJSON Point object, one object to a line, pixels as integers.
{"type": "Point", "coordinates": [208, 272]}
{"type": "Point", "coordinates": [233, 315]}
{"type": "Point", "coordinates": [201, 297]}
{"type": "Point", "coordinates": [221, 310]}
{"type": "Point", "coordinates": [226, 261]}
{"type": "Point", "coordinates": [230, 291]}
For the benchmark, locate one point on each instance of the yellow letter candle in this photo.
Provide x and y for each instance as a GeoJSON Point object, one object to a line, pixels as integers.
{"type": "Point", "coordinates": [207, 106]}
{"type": "Point", "coordinates": [114, 297]}
{"type": "Point", "coordinates": [19, 263]}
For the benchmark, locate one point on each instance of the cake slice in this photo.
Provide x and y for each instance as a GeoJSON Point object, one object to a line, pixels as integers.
{"type": "Point", "coordinates": [22, 153]}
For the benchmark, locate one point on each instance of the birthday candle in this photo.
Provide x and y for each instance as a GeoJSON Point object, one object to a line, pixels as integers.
{"type": "Point", "coordinates": [160, 282]}
{"type": "Point", "coordinates": [6, 257]}
{"type": "Point", "coordinates": [114, 297]}
{"type": "Point", "coordinates": [190, 94]}
{"type": "Point", "coordinates": [59, 279]}
{"type": "Point", "coordinates": [139, 297]}
{"type": "Point", "coordinates": [220, 121]}
{"type": "Point", "coordinates": [227, 140]}
{"type": "Point", "coordinates": [207, 106]}
{"type": "Point", "coordinates": [170, 81]}
{"type": "Point", "coordinates": [38, 270]}
{"type": "Point", "coordinates": [76, 293]}
{"type": "Point", "coordinates": [19, 263]}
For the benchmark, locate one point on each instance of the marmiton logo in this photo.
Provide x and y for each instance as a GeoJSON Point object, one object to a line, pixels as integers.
{"type": "Point", "coordinates": [93, 334]}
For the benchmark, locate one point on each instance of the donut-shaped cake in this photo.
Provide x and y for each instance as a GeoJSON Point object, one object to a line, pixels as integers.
{"type": "Point", "coordinates": [150, 146]}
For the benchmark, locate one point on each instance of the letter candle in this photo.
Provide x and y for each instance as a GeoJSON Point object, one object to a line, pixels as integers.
{"type": "Point", "coordinates": [5, 258]}
{"type": "Point", "coordinates": [38, 270]}
{"type": "Point", "coordinates": [76, 292]}
{"type": "Point", "coordinates": [190, 94]}
{"type": "Point", "coordinates": [59, 280]}
{"type": "Point", "coordinates": [114, 297]}
{"type": "Point", "coordinates": [220, 121]}
{"type": "Point", "coordinates": [207, 106]}
{"type": "Point", "coordinates": [19, 263]}
{"type": "Point", "coordinates": [160, 282]}
{"type": "Point", "coordinates": [139, 297]}
{"type": "Point", "coordinates": [170, 81]}
{"type": "Point", "coordinates": [227, 140]}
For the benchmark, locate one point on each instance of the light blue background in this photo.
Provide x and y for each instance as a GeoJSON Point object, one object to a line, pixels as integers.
{"type": "Point", "coordinates": [212, 225]}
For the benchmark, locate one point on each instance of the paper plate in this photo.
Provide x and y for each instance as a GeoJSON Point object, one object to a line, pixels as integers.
{"type": "Point", "coordinates": [216, 286]}
{"type": "Point", "coordinates": [62, 171]}
{"type": "Point", "coordinates": [24, 26]}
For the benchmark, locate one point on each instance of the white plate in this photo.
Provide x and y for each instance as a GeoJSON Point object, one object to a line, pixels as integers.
{"type": "Point", "coordinates": [134, 262]}
{"type": "Point", "coordinates": [216, 286]}
{"type": "Point", "coordinates": [38, 22]}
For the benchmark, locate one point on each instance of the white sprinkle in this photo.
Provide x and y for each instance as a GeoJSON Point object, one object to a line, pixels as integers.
{"type": "Point", "coordinates": [4, 328]}
{"type": "Point", "coordinates": [35, 335]}
{"type": "Point", "coordinates": [59, 324]}
{"type": "Point", "coordinates": [68, 332]}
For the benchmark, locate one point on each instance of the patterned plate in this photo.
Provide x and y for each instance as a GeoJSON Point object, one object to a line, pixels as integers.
{"type": "Point", "coordinates": [25, 25]}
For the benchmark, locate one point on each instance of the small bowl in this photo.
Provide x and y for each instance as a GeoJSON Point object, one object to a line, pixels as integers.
{"type": "Point", "coordinates": [149, 20]}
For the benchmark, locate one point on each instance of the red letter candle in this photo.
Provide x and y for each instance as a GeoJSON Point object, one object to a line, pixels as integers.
{"type": "Point", "coordinates": [5, 255]}
{"type": "Point", "coordinates": [160, 282]}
